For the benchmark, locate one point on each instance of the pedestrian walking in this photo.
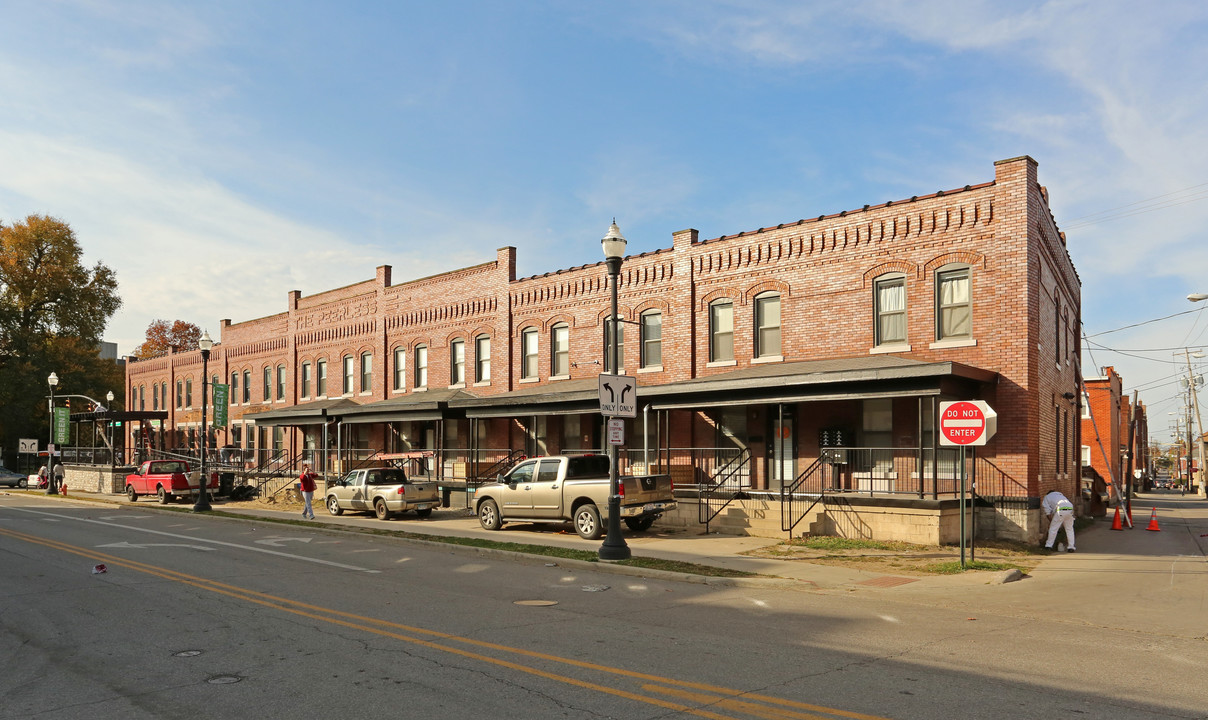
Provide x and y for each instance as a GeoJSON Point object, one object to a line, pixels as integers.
{"type": "Point", "coordinates": [59, 473]}
{"type": "Point", "coordinates": [1061, 511]}
{"type": "Point", "coordinates": [306, 482]}
{"type": "Point", "coordinates": [42, 477]}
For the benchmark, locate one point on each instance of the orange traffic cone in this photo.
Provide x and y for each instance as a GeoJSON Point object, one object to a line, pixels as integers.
{"type": "Point", "coordinates": [1153, 521]}
{"type": "Point", "coordinates": [1116, 520]}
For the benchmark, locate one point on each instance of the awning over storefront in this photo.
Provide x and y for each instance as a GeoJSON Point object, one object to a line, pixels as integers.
{"type": "Point", "coordinates": [312, 413]}
{"type": "Point", "coordinates": [426, 405]}
{"type": "Point", "coordinates": [877, 376]}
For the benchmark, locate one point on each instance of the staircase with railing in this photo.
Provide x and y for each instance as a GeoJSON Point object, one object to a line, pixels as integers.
{"type": "Point", "coordinates": [723, 487]}
{"type": "Point", "coordinates": [798, 499]}
{"type": "Point", "coordinates": [482, 477]}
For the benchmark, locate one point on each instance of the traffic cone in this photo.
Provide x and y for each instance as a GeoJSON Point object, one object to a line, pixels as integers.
{"type": "Point", "coordinates": [1116, 520]}
{"type": "Point", "coordinates": [1153, 521]}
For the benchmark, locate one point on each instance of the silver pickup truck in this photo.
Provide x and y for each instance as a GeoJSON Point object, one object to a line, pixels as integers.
{"type": "Point", "coordinates": [384, 490]}
{"type": "Point", "coordinates": [561, 488]}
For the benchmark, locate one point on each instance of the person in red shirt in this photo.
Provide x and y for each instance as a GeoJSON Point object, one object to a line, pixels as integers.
{"type": "Point", "coordinates": [306, 482]}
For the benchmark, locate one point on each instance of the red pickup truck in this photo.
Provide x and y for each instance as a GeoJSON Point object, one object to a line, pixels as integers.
{"type": "Point", "coordinates": [166, 479]}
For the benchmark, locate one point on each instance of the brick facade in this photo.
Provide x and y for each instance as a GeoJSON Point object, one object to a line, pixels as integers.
{"type": "Point", "coordinates": [1025, 309]}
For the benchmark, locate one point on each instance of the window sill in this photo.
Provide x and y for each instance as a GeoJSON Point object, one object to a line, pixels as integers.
{"type": "Point", "coordinates": [398, 391]}
{"type": "Point", "coordinates": [559, 377]}
{"type": "Point", "coordinates": [721, 363]}
{"type": "Point", "coordinates": [482, 383]}
{"type": "Point", "coordinates": [529, 380]}
{"type": "Point", "coordinates": [457, 386]}
{"type": "Point", "coordinates": [651, 369]}
{"type": "Point", "coordinates": [767, 359]}
{"type": "Point", "coordinates": [895, 348]}
{"type": "Point", "coordinates": [420, 389]}
{"type": "Point", "coordinates": [953, 343]}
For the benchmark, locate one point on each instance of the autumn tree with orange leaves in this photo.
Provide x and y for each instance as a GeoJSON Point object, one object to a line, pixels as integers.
{"type": "Point", "coordinates": [162, 335]}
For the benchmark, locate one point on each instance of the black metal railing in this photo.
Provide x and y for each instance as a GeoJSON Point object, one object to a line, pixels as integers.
{"type": "Point", "coordinates": [799, 498]}
{"type": "Point", "coordinates": [730, 479]}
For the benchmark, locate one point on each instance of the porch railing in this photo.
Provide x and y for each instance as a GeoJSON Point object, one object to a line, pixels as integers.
{"type": "Point", "coordinates": [728, 481]}
{"type": "Point", "coordinates": [800, 497]}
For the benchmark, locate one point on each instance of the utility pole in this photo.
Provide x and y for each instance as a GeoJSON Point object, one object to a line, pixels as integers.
{"type": "Point", "coordinates": [1195, 402]}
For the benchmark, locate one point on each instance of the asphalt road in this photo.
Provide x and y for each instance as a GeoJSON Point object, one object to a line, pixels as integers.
{"type": "Point", "coordinates": [198, 616]}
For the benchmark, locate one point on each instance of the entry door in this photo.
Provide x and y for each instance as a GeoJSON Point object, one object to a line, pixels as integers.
{"type": "Point", "coordinates": [782, 468]}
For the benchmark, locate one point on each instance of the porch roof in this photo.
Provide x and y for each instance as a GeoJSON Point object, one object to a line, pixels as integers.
{"type": "Point", "coordinates": [425, 405]}
{"type": "Point", "coordinates": [805, 381]}
{"type": "Point", "coordinates": [311, 413]}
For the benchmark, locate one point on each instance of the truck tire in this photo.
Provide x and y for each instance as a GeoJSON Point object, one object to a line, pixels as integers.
{"type": "Point", "coordinates": [587, 522]}
{"type": "Point", "coordinates": [333, 506]}
{"type": "Point", "coordinates": [379, 509]}
{"type": "Point", "coordinates": [640, 524]}
{"type": "Point", "coordinates": [164, 496]}
{"type": "Point", "coordinates": [423, 513]}
{"type": "Point", "coordinates": [131, 494]}
{"type": "Point", "coordinates": [488, 515]}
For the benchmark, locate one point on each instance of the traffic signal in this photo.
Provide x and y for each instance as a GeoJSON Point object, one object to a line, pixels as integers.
{"type": "Point", "coordinates": [67, 403]}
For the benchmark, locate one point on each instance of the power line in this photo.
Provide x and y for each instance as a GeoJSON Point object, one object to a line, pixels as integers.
{"type": "Point", "coordinates": [1147, 322]}
{"type": "Point", "coordinates": [1146, 206]}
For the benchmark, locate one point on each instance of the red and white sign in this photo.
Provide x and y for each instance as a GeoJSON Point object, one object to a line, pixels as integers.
{"type": "Point", "coordinates": [967, 422]}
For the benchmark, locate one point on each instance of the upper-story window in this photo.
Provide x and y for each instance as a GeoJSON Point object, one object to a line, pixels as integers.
{"type": "Point", "coordinates": [281, 382]}
{"type": "Point", "coordinates": [608, 344]}
{"type": "Point", "coordinates": [457, 362]}
{"type": "Point", "coordinates": [155, 396]}
{"type": "Point", "coordinates": [346, 375]}
{"type": "Point", "coordinates": [234, 387]}
{"type": "Point", "coordinates": [188, 392]}
{"type": "Point", "coordinates": [767, 325]}
{"type": "Point", "coordinates": [321, 377]}
{"type": "Point", "coordinates": [268, 384]}
{"type": "Point", "coordinates": [651, 331]}
{"type": "Point", "coordinates": [247, 386]}
{"type": "Point", "coordinates": [528, 353]}
{"type": "Point", "coordinates": [482, 359]}
{"type": "Point", "coordinates": [559, 350]}
{"type": "Point", "coordinates": [305, 384]}
{"type": "Point", "coordinates": [142, 397]}
{"type": "Point", "coordinates": [163, 394]}
{"type": "Point", "coordinates": [366, 372]}
{"type": "Point", "coordinates": [889, 303]}
{"type": "Point", "coordinates": [421, 366]}
{"type": "Point", "coordinates": [721, 331]}
{"type": "Point", "coordinates": [180, 394]}
{"type": "Point", "coordinates": [1086, 404]}
{"type": "Point", "coordinates": [954, 304]}
{"type": "Point", "coordinates": [400, 369]}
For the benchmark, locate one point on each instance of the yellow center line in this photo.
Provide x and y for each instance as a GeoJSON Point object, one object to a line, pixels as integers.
{"type": "Point", "coordinates": [387, 628]}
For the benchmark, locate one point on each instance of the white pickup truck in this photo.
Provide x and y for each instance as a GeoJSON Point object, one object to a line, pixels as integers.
{"type": "Point", "coordinates": [574, 488]}
{"type": "Point", "coordinates": [383, 490]}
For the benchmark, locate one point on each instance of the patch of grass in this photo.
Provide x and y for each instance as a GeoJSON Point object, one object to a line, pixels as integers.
{"type": "Point", "coordinates": [825, 542]}
{"type": "Point", "coordinates": [953, 567]}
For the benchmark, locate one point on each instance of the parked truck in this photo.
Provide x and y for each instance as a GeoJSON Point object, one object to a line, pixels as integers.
{"type": "Point", "coordinates": [167, 480]}
{"type": "Point", "coordinates": [574, 488]}
{"type": "Point", "coordinates": [382, 490]}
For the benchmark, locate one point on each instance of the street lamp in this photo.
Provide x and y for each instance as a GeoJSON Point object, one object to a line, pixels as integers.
{"type": "Point", "coordinates": [51, 488]}
{"type": "Point", "coordinates": [203, 497]}
{"type": "Point", "coordinates": [614, 547]}
{"type": "Point", "coordinates": [109, 423]}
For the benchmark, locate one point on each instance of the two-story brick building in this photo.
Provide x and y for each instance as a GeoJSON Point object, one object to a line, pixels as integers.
{"type": "Point", "coordinates": [774, 366]}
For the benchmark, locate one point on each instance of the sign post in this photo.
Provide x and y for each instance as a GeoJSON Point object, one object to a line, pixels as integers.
{"type": "Point", "coordinates": [966, 423]}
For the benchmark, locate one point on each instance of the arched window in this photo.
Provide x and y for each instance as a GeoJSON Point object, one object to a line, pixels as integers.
{"type": "Point", "coordinates": [767, 325]}
{"type": "Point", "coordinates": [608, 344]}
{"type": "Point", "coordinates": [721, 331]}
{"type": "Point", "coordinates": [321, 377]}
{"type": "Point", "coordinates": [304, 387]}
{"type": "Point", "coordinates": [889, 308]}
{"type": "Point", "coordinates": [652, 339]}
{"type": "Point", "coordinates": [281, 382]}
{"type": "Point", "coordinates": [457, 362]}
{"type": "Point", "coordinates": [268, 384]}
{"type": "Point", "coordinates": [954, 304]}
{"type": "Point", "coordinates": [482, 359]}
{"type": "Point", "coordinates": [346, 388]}
{"type": "Point", "coordinates": [366, 372]}
{"type": "Point", "coordinates": [421, 366]}
{"type": "Point", "coordinates": [400, 369]}
{"type": "Point", "coordinates": [528, 353]}
{"type": "Point", "coordinates": [559, 350]}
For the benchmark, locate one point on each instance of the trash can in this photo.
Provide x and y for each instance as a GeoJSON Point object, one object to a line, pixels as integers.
{"type": "Point", "coordinates": [226, 483]}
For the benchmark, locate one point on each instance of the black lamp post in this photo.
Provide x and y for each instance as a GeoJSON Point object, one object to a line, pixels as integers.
{"type": "Point", "coordinates": [203, 498]}
{"type": "Point", "coordinates": [51, 485]}
{"type": "Point", "coordinates": [109, 423]}
{"type": "Point", "coordinates": [614, 547]}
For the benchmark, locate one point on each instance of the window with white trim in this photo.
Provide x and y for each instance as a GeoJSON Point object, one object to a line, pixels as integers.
{"type": "Point", "coordinates": [457, 362]}
{"type": "Point", "coordinates": [889, 303]}
{"type": "Point", "coordinates": [721, 331]}
{"type": "Point", "coordinates": [421, 366]}
{"type": "Point", "coordinates": [559, 350]}
{"type": "Point", "coordinates": [528, 353]}
{"type": "Point", "coordinates": [767, 325]}
{"type": "Point", "coordinates": [482, 358]}
{"type": "Point", "coordinates": [953, 304]}
{"type": "Point", "coordinates": [651, 332]}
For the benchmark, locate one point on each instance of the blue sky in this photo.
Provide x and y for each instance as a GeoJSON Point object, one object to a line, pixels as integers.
{"type": "Point", "coordinates": [220, 154]}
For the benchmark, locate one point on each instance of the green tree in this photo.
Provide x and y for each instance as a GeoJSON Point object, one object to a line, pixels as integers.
{"type": "Point", "coordinates": [53, 311]}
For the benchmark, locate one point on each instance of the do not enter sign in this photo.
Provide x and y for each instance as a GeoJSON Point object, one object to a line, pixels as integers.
{"type": "Point", "coordinates": [968, 422]}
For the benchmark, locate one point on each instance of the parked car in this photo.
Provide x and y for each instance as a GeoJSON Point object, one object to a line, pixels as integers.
{"type": "Point", "coordinates": [12, 479]}
{"type": "Point", "coordinates": [562, 488]}
{"type": "Point", "coordinates": [167, 480]}
{"type": "Point", "coordinates": [382, 490]}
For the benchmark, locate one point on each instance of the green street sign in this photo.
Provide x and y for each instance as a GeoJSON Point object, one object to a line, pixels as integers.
{"type": "Point", "coordinates": [62, 425]}
{"type": "Point", "coordinates": [222, 395]}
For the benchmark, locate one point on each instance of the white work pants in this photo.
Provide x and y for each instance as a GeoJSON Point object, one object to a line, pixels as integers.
{"type": "Point", "coordinates": [1061, 518]}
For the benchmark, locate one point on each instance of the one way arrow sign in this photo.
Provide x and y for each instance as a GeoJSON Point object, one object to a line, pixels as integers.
{"type": "Point", "coordinates": [619, 395]}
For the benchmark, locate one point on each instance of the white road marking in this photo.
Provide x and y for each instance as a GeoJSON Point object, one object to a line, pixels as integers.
{"type": "Point", "coordinates": [125, 544]}
{"type": "Point", "coordinates": [278, 540]}
{"type": "Point", "coordinates": [51, 517]}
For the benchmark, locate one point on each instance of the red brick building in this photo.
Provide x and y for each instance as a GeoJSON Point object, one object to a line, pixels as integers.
{"type": "Point", "coordinates": [774, 365]}
{"type": "Point", "coordinates": [1104, 427]}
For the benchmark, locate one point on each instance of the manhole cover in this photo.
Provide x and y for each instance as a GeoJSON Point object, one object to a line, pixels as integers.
{"type": "Point", "coordinates": [224, 679]}
{"type": "Point", "coordinates": [595, 588]}
{"type": "Point", "coordinates": [186, 653]}
{"type": "Point", "coordinates": [536, 603]}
